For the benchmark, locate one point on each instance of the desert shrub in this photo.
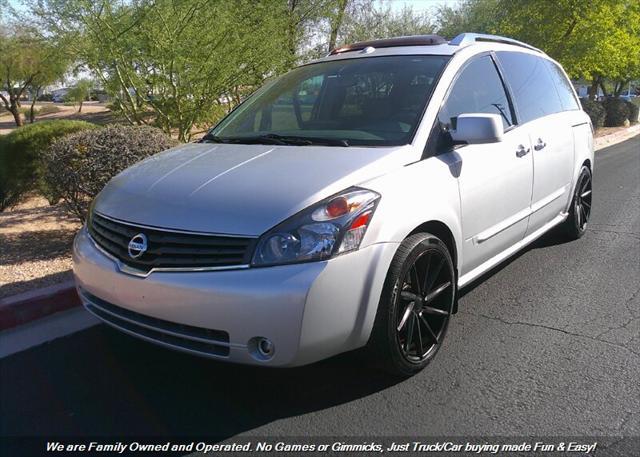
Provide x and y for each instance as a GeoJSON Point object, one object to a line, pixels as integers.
{"type": "Point", "coordinates": [21, 163]}
{"type": "Point", "coordinates": [617, 112]}
{"type": "Point", "coordinates": [79, 165]}
{"type": "Point", "coordinates": [595, 110]}
{"type": "Point", "coordinates": [48, 109]}
{"type": "Point", "coordinates": [634, 111]}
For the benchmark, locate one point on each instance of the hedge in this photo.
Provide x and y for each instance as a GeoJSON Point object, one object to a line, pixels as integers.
{"type": "Point", "coordinates": [634, 112]}
{"type": "Point", "coordinates": [617, 112]}
{"type": "Point", "coordinates": [595, 110]}
{"type": "Point", "coordinates": [79, 165]}
{"type": "Point", "coordinates": [21, 164]}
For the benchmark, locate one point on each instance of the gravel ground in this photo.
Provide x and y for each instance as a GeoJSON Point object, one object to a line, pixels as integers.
{"type": "Point", "coordinates": [35, 245]}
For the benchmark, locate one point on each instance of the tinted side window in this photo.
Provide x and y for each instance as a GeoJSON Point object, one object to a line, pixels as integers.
{"type": "Point", "coordinates": [530, 80]}
{"type": "Point", "coordinates": [478, 89]}
{"type": "Point", "coordinates": [563, 86]}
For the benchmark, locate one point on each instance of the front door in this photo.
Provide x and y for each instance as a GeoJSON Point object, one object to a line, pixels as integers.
{"type": "Point", "coordinates": [495, 180]}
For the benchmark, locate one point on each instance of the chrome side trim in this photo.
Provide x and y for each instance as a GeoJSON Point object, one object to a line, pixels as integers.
{"type": "Point", "coordinates": [537, 206]}
{"type": "Point", "coordinates": [124, 268]}
{"type": "Point", "coordinates": [504, 225]}
{"type": "Point", "coordinates": [467, 278]}
{"type": "Point", "coordinates": [161, 229]}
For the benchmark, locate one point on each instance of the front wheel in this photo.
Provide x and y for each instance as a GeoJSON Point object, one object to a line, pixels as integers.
{"type": "Point", "coordinates": [576, 224]}
{"type": "Point", "coordinates": [415, 307]}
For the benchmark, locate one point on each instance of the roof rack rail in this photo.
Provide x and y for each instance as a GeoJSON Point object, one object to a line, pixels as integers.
{"type": "Point", "coordinates": [415, 40]}
{"type": "Point", "coordinates": [465, 39]}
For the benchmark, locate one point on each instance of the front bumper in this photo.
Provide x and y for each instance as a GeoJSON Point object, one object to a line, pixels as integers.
{"type": "Point", "coordinates": [309, 311]}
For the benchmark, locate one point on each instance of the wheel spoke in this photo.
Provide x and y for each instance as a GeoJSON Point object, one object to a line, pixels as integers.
{"type": "Point", "coordinates": [407, 343]}
{"type": "Point", "coordinates": [405, 316]}
{"type": "Point", "coordinates": [435, 311]}
{"type": "Point", "coordinates": [584, 215]}
{"type": "Point", "coordinates": [426, 272]}
{"type": "Point", "coordinates": [434, 276]}
{"type": "Point", "coordinates": [433, 336]}
{"type": "Point", "coordinates": [437, 292]}
{"type": "Point", "coordinates": [585, 193]}
{"type": "Point", "coordinates": [419, 353]}
{"type": "Point", "coordinates": [415, 282]}
{"type": "Point", "coordinates": [588, 205]}
{"type": "Point", "coordinates": [578, 215]}
{"type": "Point", "coordinates": [406, 295]}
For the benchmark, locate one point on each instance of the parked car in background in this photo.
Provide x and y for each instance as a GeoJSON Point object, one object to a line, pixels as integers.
{"type": "Point", "coordinates": [59, 95]}
{"type": "Point", "coordinates": [343, 205]}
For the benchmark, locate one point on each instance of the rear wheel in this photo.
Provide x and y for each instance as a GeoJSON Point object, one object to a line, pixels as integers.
{"type": "Point", "coordinates": [576, 224]}
{"type": "Point", "coordinates": [415, 306]}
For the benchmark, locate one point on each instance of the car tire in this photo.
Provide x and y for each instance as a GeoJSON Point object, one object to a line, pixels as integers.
{"type": "Point", "coordinates": [576, 223]}
{"type": "Point", "coordinates": [415, 306]}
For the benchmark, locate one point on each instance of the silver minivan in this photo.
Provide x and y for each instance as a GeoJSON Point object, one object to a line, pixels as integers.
{"type": "Point", "coordinates": [343, 205]}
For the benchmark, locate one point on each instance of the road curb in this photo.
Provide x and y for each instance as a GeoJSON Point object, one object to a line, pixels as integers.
{"type": "Point", "coordinates": [35, 304]}
{"type": "Point", "coordinates": [615, 138]}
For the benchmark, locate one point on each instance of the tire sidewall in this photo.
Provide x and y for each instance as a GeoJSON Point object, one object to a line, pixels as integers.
{"type": "Point", "coordinates": [417, 247]}
{"type": "Point", "coordinates": [574, 228]}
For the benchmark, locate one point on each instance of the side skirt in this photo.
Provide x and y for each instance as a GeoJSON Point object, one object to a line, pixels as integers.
{"type": "Point", "coordinates": [492, 262]}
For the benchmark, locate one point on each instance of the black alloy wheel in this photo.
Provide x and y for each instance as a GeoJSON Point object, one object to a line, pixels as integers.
{"type": "Point", "coordinates": [580, 211]}
{"type": "Point", "coordinates": [416, 305]}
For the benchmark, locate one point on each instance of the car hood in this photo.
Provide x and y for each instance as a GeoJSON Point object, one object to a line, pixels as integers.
{"type": "Point", "coordinates": [238, 189]}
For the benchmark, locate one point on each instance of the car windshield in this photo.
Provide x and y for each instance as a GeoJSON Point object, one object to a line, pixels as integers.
{"type": "Point", "coordinates": [370, 101]}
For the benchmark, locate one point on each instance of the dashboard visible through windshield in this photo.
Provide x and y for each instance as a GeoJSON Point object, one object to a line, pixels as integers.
{"type": "Point", "coordinates": [375, 101]}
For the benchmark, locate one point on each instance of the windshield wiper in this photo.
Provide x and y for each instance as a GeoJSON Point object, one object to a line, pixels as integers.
{"type": "Point", "coordinates": [273, 138]}
{"type": "Point", "coordinates": [209, 138]}
{"type": "Point", "coordinates": [310, 140]}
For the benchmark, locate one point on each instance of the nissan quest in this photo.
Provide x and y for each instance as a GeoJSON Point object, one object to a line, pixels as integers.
{"type": "Point", "coordinates": [343, 205]}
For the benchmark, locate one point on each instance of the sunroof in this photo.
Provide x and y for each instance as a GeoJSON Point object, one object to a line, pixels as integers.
{"type": "Point", "coordinates": [416, 40]}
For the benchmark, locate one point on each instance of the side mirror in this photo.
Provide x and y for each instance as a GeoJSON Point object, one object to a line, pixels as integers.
{"type": "Point", "coordinates": [478, 128]}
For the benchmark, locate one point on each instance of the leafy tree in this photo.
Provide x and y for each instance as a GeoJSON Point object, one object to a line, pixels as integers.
{"type": "Point", "coordinates": [80, 92]}
{"type": "Point", "coordinates": [53, 70]}
{"type": "Point", "coordinates": [25, 60]}
{"type": "Point", "coordinates": [597, 42]}
{"type": "Point", "coordinates": [479, 16]}
{"type": "Point", "coordinates": [336, 20]}
{"type": "Point", "coordinates": [368, 20]}
{"type": "Point", "coordinates": [167, 62]}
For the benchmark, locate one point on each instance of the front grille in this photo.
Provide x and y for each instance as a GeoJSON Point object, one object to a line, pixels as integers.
{"type": "Point", "coordinates": [194, 339]}
{"type": "Point", "coordinates": [167, 249]}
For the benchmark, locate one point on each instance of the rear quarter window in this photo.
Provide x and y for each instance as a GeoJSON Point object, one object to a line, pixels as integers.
{"type": "Point", "coordinates": [563, 86]}
{"type": "Point", "coordinates": [532, 85]}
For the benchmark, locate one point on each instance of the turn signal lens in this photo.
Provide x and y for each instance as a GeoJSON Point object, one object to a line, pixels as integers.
{"type": "Point", "coordinates": [337, 207]}
{"type": "Point", "coordinates": [348, 204]}
{"type": "Point", "coordinates": [361, 220]}
{"type": "Point", "coordinates": [354, 234]}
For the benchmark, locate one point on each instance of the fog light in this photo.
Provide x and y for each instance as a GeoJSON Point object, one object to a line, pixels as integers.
{"type": "Point", "coordinates": [261, 348]}
{"type": "Point", "coordinates": [265, 347]}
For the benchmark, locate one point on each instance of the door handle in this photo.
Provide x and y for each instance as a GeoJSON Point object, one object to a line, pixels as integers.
{"type": "Point", "coordinates": [522, 151]}
{"type": "Point", "coordinates": [539, 145]}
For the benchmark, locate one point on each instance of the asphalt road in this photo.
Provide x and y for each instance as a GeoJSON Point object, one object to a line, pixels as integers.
{"type": "Point", "coordinates": [547, 344]}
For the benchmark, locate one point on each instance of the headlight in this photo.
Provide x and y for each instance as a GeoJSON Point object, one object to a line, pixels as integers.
{"type": "Point", "coordinates": [330, 227]}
